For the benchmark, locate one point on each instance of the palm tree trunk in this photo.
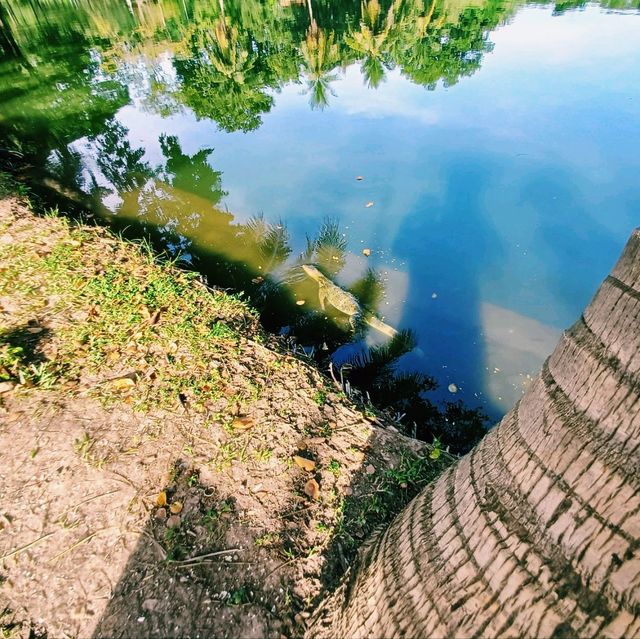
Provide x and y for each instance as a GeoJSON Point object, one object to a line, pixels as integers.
{"type": "Point", "coordinates": [536, 532]}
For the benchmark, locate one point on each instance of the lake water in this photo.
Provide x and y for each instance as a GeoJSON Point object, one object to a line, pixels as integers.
{"type": "Point", "coordinates": [482, 160]}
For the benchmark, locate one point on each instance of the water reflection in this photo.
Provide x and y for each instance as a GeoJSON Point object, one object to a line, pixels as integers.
{"type": "Point", "coordinates": [118, 99]}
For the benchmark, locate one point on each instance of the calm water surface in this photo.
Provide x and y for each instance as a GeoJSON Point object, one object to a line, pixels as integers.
{"type": "Point", "coordinates": [497, 146]}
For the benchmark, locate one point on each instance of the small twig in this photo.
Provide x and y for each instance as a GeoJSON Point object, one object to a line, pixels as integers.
{"type": "Point", "coordinates": [26, 546]}
{"type": "Point", "coordinates": [163, 552]}
{"type": "Point", "coordinates": [207, 562]}
{"type": "Point", "coordinates": [286, 563]}
{"type": "Point", "coordinates": [85, 501]}
{"type": "Point", "coordinates": [210, 554]}
{"type": "Point", "coordinates": [333, 377]}
{"type": "Point", "coordinates": [80, 542]}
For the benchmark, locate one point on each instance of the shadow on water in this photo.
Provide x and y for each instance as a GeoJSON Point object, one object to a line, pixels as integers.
{"type": "Point", "coordinates": [456, 262]}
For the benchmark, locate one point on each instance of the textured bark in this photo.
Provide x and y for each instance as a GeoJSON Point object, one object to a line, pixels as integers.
{"type": "Point", "coordinates": [535, 533]}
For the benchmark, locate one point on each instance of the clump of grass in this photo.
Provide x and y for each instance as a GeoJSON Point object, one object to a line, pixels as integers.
{"type": "Point", "coordinates": [358, 516]}
{"type": "Point", "coordinates": [129, 313]}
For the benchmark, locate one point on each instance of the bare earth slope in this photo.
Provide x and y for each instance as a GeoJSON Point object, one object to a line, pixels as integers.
{"type": "Point", "coordinates": [168, 470]}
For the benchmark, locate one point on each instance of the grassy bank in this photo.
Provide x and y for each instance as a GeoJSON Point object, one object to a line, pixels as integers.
{"type": "Point", "coordinates": [170, 468]}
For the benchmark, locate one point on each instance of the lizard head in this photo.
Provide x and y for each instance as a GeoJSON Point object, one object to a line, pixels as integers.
{"type": "Point", "coordinates": [311, 271]}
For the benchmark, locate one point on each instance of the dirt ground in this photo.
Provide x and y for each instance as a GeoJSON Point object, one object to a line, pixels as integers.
{"type": "Point", "coordinates": [129, 508]}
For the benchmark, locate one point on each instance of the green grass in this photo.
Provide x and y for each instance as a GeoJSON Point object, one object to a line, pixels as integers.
{"type": "Point", "coordinates": [130, 313]}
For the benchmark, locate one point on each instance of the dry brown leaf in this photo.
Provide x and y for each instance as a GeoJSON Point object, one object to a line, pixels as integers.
{"type": "Point", "coordinates": [304, 463]}
{"type": "Point", "coordinates": [122, 383]}
{"type": "Point", "coordinates": [312, 489]}
{"type": "Point", "coordinates": [161, 499]}
{"type": "Point", "coordinates": [243, 423]}
{"type": "Point", "coordinates": [35, 329]}
{"type": "Point", "coordinates": [176, 507]}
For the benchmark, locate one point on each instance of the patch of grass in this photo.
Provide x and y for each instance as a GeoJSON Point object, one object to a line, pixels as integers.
{"type": "Point", "coordinates": [129, 312]}
{"type": "Point", "coordinates": [85, 449]}
{"type": "Point", "coordinates": [357, 516]}
{"type": "Point", "coordinates": [320, 397]}
{"type": "Point", "coordinates": [262, 455]}
{"type": "Point", "coordinates": [239, 596]}
{"type": "Point", "coordinates": [176, 544]}
{"type": "Point", "coordinates": [334, 467]}
{"type": "Point", "coordinates": [267, 540]}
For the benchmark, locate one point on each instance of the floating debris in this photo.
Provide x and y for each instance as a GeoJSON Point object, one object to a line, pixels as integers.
{"type": "Point", "coordinates": [359, 178]}
{"type": "Point", "coordinates": [434, 296]}
{"type": "Point", "coordinates": [366, 252]}
{"type": "Point", "coordinates": [369, 205]}
{"type": "Point", "coordinates": [452, 388]}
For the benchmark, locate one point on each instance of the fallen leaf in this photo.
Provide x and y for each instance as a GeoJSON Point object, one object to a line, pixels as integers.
{"type": "Point", "coordinates": [174, 521]}
{"type": "Point", "coordinates": [122, 383]}
{"type": "Point", "coordinates": [366, 252]}
{"type": "Point", "coordinates": [369, 205]}
{"type": "Point", "coordinates": [243, 423]}
{"type": "Point", "coordinates": [176, 507]}
{"type": "Point", "coordinates": [300, 302]}
{"type": "Point", "coordinates": [304, 463]}
{"type": "Point", "coordinates": [312, 489]}
{"type": "Point", "coordinates": [161, 499]}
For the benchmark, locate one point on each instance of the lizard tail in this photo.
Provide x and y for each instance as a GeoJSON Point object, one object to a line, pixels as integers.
{"type": "Point", "coordinates": [379, 325]}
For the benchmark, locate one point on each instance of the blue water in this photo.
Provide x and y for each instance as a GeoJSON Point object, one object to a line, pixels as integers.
{"type": "Point", "coordinates": [499, 203]}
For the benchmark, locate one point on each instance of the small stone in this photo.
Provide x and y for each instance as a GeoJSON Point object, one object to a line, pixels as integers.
{"type": "Point", "coordinates": [150, 604]}
{"type": "Point", "coordinates": [174, 521]}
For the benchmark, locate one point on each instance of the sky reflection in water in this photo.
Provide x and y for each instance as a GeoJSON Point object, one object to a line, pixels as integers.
{"type": "Point", "coordinates": [500, 202]}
